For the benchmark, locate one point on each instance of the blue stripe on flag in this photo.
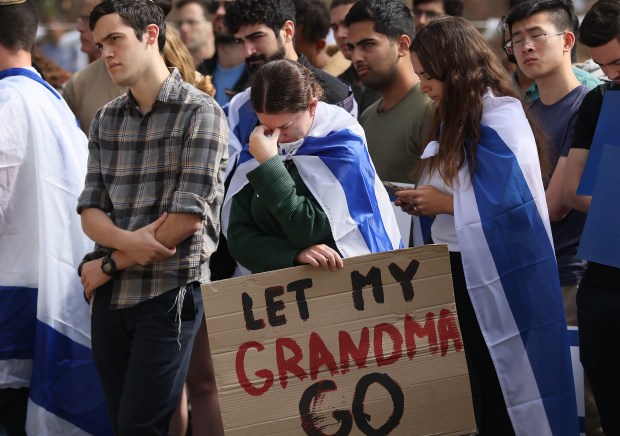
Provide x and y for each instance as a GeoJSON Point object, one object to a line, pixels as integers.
{"type": "Point", "coordinates": [573, 337]}
{"type": "Point", "coordinates": [525, 261]}
{"type": "Point", "coordinates": [65, 381]}
{"type": "Point", "coordinates": [18, 311]}
{"type": "Point", "coordinates": [343, 152]}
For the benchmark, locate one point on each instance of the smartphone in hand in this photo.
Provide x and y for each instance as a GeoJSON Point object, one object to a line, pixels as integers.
{"type": "Point", "coordinates": [393, 187]}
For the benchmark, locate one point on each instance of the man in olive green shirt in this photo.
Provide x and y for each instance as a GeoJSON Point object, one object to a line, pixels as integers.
{"type": "Point", "coordinates": [380, 33]}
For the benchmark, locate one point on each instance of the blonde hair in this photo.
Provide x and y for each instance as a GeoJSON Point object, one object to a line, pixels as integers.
{"type": "Point", "coordinates": [177, 55]}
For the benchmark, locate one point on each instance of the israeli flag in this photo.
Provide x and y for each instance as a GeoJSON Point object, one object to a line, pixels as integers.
{"type": "Point", "coordinates": [334, 163]}
{"type": "Point", "coordinates": [44, 320]}
{"type": "Point", "coordinates": [503, 231]}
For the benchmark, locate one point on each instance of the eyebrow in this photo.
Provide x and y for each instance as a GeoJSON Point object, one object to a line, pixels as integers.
{"type": "Point", "coordinates": [110, 35]}
{"type": "Point", "coordinates": [530, 29]}
{"type": "Point", "coordinates": [605, 64]}
{"type": "Point", "coordinates": [251, 35]}
{"type": "Point", "coordinates": [365, 40]}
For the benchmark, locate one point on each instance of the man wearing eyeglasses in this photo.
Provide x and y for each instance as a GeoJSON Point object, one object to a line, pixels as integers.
{"type": "Point", "coordinates": [542, 41]}
{"type": "Point", "coordinates": [426, 10]}
{"type": "Point", "coordinates": [196, 29]}
{"type": "Point", "coordinates": [597, 301]}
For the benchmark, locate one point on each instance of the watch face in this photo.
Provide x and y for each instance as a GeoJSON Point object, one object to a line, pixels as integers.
{"type": "Point", "coordinates": [106, 266]}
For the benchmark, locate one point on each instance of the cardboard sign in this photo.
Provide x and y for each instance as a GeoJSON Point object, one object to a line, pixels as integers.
{"type": "Point", "coordinates": [374, 348]}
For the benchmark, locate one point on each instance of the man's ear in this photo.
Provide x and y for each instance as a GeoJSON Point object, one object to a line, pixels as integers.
{"type": "Point", "coordinates": [569, 41]}
{"type": "Point", "coordinates": [288, 28]}
{"type": "Point", "coordinates": [152, 33]}
{"type": "Point", "coordinates": [403, 42]}
{"type": "Point", "coordinates": [320, 45]}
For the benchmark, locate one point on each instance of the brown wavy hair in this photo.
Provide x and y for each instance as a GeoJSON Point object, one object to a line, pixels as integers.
{"type": "Point", "coordinates": [451, 50]}
{"type": "Point", "coordinates": [177, 55]}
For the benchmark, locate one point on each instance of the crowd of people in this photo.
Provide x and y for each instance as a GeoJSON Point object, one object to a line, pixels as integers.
{"type": "Point", "coordinates": [233, 140]}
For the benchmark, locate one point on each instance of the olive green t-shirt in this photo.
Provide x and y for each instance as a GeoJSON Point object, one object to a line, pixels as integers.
{"type": "Point", "coordinates": [396, 137]}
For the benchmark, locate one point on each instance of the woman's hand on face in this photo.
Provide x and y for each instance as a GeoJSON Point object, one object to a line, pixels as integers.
{"type": "Point", "coordinates": [425, 200]}
{"type": "Point", "coordinates": [262, 146]}
{"type": "Point", "coordinates": [321, 255]}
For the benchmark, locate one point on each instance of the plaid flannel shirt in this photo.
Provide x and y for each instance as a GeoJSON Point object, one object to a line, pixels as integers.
{"type": "Point", "coordinates": [170, 160]}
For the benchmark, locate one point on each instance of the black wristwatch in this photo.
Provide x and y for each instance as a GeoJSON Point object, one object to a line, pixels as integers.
{"type": "Point", "coordinates": [108, 266]}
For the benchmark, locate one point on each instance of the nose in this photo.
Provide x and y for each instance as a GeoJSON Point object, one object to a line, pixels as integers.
{"type": "Point", "coordinates": [526, 45]}
{"type": "Point", "coordinates": [341, 33]}
{"type": "Point", "coordinates": [106, 52]}
{"type": "Point", "coordinates": [248, 49]}
{"type": "Point", "coordinates": [612, 72]}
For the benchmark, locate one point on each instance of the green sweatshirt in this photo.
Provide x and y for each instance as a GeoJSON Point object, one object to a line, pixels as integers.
{"type": "Point", "coordinates": [274, 217]}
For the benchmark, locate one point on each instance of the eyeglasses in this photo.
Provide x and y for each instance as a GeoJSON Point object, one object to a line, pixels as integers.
{"type": "Point", "coordinates": [214, 5]}
{"type": "Point", "coordinates": [429, 14]}
{"type": "Point", "coordinates": [534, 40]}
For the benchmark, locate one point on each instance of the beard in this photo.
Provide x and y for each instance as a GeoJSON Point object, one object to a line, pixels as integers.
{"type": "Point", "coordinates": [255, 61]}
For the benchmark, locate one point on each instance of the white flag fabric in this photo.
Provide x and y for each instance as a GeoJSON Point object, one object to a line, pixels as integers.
{"type": "Point", "coordinates": [334, 163]}
{"type": "Point", "coordinates": [44, 320]}
{"type": "Point", "coordinates": [503, 231]}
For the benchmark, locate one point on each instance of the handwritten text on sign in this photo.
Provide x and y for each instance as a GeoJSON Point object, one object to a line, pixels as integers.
{"type": "Point", "coordinates": [365, 350]}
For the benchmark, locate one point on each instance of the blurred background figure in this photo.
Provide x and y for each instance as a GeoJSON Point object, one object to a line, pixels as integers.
{"type": "Point", "coordinates": [426, 10]}
{"type": "Point", "coordinates": [227, 66]}
{"type": "Point", "coordinates": [194, 25]}
{"type": "Point", "coordinates": [86, 36]}
{"type": "Point", "coordinates": [62, 45]}
{"type": "Point", "coordinates": [311, 29]}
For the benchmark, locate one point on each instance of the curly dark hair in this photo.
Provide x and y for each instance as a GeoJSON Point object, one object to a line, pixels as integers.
{"type": "Point", "coordinates": [272, 13]}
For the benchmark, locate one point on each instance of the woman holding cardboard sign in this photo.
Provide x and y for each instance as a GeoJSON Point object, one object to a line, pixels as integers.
{"type": "Point", "coordinates": [482, 184]}
{"type": "Point", "coordinates": [305, 191]}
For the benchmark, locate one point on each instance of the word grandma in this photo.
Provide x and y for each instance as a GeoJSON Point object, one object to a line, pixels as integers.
{"type": "Point", "coordinates": [389, 344]}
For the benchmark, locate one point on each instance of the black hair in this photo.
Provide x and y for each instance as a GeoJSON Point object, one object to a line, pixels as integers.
{"type": "Point", "coordinates": [272, 13]}
{"type": "Point", "coordinates": [337, 3]}
{"type": "Point", "coordinates": [165, 5]}
{"type": "Point", "coordinates": [312, 19]}
{"type": "Point", "coordinates": [137, 14]}
{"type": "Point", "coordinates": [18, 26]}
{"type": "Point", "coordinates": [601, 24]}
{"type": "Point", "coordinates": [391, 17]}
{"type": "Point", "coordinates": [561, 12]}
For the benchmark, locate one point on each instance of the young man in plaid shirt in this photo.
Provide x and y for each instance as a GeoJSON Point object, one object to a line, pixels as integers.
{"type": "Point", "coordinates": [151, 202]}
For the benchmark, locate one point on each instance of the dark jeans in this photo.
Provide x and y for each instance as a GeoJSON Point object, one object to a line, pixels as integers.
{"type": "Point", "coordinates": [599, 349]}
{"type": "Point", "coordinates": [13, 405]}
{"type": "Point", "coordinates": [141, 365]}
{"type": "Point", "coordinates": [489, 407]}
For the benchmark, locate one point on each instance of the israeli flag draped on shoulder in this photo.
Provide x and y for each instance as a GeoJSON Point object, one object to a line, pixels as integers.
{"type": "Point", "coordinates": [334, 163]}
{"type": "Point", "coordinates": [503, 231]}
{"type": "Point", "coordinates": [241, 122]}
{"type": "Point", "coordinates": [44, 321]}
